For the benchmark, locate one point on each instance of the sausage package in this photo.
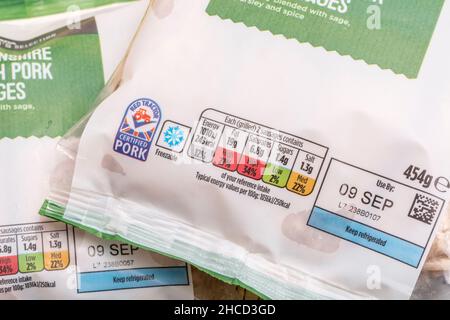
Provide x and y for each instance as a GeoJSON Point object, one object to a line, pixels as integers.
{"type": "Point", "coordinates": [52, 69]}
{"type": "Point", "coordinates": [296, 148]}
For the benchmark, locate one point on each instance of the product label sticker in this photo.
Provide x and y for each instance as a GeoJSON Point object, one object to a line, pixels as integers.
{"type": "Point", "coordinates": [393, 34]}
{"type": "Point", "coordinates": [258, 152]}
{"type": "Point", "coordinates": [33, 247]}
{"type": "Point", "coordinates": [61, 260]}
{"type": "Point", "coordinates": [54, 62]}
{"type": "Point", "coordinates": [137, 129]}
{"type": "Point", "coordinates": [110, 265]}
{"type": "Point", "coordinates": [375, 212]}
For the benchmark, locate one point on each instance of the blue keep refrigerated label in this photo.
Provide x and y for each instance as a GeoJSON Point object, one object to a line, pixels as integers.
{"type": "Point", "coordinates": [132, 279]}
{"type": "Point", "coordinates": [375, 212]}
{"type": "Point", "coordinates": [366, 236]}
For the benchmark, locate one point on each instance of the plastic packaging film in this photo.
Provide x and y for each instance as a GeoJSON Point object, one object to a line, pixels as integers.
{"type": "Point", "coordinates": [298, 164]}
{"type": "Point", "coordinates": [52, 69]}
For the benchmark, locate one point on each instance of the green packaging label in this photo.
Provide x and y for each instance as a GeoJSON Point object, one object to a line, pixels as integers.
{"type": "Point", "coordinates": [393, 34]}
{"type": "Point", "coordinates": [20, 9]}
{"type": "Point", "coordinates": [50, 82]}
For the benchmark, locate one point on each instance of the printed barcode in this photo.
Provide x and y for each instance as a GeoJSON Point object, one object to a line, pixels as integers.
{"type": "Point", "coordinates": [424, 209]}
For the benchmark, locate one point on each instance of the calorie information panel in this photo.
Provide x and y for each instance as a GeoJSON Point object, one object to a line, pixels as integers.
{"type": "Point", "coordinates": [257, 152]}
{"type": "Point", "coordinates": [33, 247]}
{"type": "Point", "coordinates": [53, 256]}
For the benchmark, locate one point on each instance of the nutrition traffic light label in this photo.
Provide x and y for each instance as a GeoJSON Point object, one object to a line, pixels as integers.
{"type": "Point", "coordinates": [257, 152]}
{"type": "Point", "coordinates": [67, 262]}
{"type": "Point", "coordinates": [33, 247]}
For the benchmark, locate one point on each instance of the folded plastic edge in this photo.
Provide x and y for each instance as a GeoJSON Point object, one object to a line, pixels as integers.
{"type": "Point", "coordinates": [55, 211]}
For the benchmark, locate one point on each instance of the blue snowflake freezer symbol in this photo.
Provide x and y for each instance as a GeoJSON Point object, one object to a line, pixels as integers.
{"type": "Point", "coordinates": [173, 136]}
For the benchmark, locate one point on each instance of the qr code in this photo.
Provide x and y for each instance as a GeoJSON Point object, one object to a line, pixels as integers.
{"type": "Point", "coordinates": [424, 209]}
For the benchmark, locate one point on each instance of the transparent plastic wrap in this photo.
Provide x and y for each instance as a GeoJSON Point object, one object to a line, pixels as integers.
{"type": "Point", "coordinates": [52, 70]}
{"type": "Point", "coordinates": [294, 171]}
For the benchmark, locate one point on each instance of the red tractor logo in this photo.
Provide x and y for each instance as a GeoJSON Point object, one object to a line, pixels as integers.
{"type": "Point", "coordinates": [142, 115]}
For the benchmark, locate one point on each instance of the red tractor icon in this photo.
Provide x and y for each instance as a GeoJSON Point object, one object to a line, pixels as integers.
{"type": "Point", "coordinates": [142, 115]}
